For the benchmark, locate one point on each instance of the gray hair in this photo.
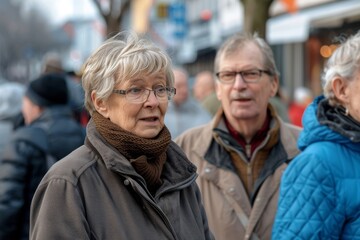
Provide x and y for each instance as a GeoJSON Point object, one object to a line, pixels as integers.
{"type": "Point", "coordinates": [343, 63]}
{"type": "Point", "coordinates": [239, 40]}
{"type": "Point", "coordinates": [119, 59]}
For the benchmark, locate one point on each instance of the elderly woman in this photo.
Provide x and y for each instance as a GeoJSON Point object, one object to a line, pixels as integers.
{"type": "Point", "coordinates": [129, 180]}
{"type": "Point", "coordinates": [320, 190]}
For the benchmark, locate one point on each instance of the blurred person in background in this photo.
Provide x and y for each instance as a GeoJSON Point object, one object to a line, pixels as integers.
{"type": "Point", "coordinates": [280, 104]}
{"type": "Point", "coordinates": [184, 111]}
{"type": "Point", "coordinates": [52, 63]}
{"type": "Point", "coordinates": [320, 190]}
{"type": "Point", "coordinates": [49, 130]}
{"type": "Point", "coordinates": [80, 113]}
{"type": "Point", "coordinates": [204, 91]}
{"type": "Point", "coordinates": [302, 98]}
{"type": "Point", "coordinates": [11, 95]}
{"type": "Point", "coordinates": [129, 180]}
{"type": "Point", "coordinates": [241, 154]}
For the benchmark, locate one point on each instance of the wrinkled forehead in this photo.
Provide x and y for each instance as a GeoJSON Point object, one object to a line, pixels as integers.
{"type": "Point", "coordinates": [135, 75]}
{"type": "Point", "coordinates": [244, 53]}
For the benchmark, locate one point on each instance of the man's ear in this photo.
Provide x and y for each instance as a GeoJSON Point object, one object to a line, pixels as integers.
{"type": "Point", "coordinates": [99, 104]}
{"type": "Point", "coordinates": [340, 89]}
{"type": "Point", "coordinates": [274, 86]}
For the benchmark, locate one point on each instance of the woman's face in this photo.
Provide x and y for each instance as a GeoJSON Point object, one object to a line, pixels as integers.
{"type": "Point", "coordinates": [142, 119]}
{"type": "Point", "coordinates": [353, 96]}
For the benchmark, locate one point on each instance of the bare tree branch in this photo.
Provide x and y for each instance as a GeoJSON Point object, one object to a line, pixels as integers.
{"type": "Point", "coordinates": [256, 14]}
{"type": "Point", "coordinates": [113, 18]}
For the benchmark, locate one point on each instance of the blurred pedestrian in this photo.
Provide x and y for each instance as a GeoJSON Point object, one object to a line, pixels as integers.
{"type": "Point", "coordinates": [11, 95]}
{"type": "Point", "coordinates": [204, 91]}
{"type": "Point", "coordinates": [184, 111]}
{"type": "Point", "coordinates": [241, 154]}
{"type": "Point", "coordinates": [320, 190]}
{"type": "Point", "coordinates": [52, 63]}
{"type": "Point", "coordinates": [302, 98]}
{"type": "Point", "coordinates": [280, 104]}
{"type": "Point", "coordinates": [77, 95]}
{"type": "Point", "coordinates": [129, 181]}
{"type": "Point", "coordinates": [49, 130]}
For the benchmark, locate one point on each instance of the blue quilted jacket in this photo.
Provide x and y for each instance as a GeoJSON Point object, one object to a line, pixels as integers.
{"type": "Point", "coordinates": [320, 190]}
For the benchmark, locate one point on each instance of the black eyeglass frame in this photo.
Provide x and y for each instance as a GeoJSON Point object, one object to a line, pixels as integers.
{"type": "Point", "coordinates": [260, 71]}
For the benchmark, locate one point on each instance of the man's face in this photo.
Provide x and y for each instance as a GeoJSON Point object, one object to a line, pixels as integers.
{"type": "Point", "coordinates": [30, 110]}
{"type": "Point", "coordinates": [243, 101]}
{"type": "Point", "coordinates": [181, 85]}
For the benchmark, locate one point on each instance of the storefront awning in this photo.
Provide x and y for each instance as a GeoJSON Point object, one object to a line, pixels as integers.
{"type": "Point", "coordinates": [292, 28]}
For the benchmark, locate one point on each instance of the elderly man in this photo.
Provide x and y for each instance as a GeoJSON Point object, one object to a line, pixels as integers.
{"type": "Point", "coordinates": [242, 152]}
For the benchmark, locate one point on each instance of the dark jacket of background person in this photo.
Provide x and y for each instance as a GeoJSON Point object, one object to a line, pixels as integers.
{"type": "Point", "coordinates": [11, 95]}
{"type": "Point", "coordinates": [221, 185]}
{"type": "Point", "coordinates": [23, 162]}
{"type": "Point", "coordinates": [86, 182]}
{"type": "Point", "coordinates": [320, 190]}
{"type": "Point", "coordinates": [129, 181]}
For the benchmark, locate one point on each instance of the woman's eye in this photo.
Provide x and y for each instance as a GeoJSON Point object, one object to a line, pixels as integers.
{"type": "Point", "coordinates": [135, 90]}
{"type": "Point", "coordinates": [160, 90]}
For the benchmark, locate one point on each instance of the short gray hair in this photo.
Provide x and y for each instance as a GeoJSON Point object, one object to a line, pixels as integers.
{"type": "Point", "coordinates": [239, 40]}
{"type": "Point", "coordinates": [121, 58]}
{"type": "Point", "coordinates": [344, 63]}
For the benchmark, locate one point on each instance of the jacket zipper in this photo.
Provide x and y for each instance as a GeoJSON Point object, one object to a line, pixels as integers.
{"type": "Point", "coordinates": [157, 209]}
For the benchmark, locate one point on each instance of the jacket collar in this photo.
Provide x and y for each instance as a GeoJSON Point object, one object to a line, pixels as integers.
{"type": "Point", "coordinates": [178, 170]}
{"type": "Point", "coordinates": [284, 151]}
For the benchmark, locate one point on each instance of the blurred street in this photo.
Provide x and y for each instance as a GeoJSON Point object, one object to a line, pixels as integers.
{"type": "Point", "coordinates": [302, 37]}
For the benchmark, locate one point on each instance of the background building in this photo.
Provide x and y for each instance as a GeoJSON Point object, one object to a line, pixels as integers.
{"type": "Point", "coordinates": [302, 40]}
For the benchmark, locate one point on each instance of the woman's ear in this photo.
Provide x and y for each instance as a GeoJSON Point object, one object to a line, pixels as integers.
{"type": "Point", "coordinates": [340, 89]}
{"type": "Point", "coordinates": [99, 104]}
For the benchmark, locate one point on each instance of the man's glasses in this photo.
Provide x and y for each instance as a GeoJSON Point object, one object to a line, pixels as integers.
{"type": "Point", "coordinates": [140, 95]}
{"type": "Point", "coordinates": [248, 76]}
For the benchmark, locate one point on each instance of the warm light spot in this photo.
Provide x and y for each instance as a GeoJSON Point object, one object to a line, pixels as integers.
{"type": "Point", "coordinates": [325, 51]}
{"type": "Point", "coordinates": [333, 47]}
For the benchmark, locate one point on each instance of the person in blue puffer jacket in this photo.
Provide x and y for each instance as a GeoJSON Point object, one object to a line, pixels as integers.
{"type": "Point", "coordinates": [320, 190]}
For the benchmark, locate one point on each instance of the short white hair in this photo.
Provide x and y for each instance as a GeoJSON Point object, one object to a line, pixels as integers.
{"type": "Point", "coordinates": [344, 63]}
{"type": "Point", "coordinates": [120, 58]}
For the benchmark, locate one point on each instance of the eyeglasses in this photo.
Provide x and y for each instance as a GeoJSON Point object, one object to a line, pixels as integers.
{"type": "Point", "coordinates": [248, 76]}
{"type": "Point", "coordinates": [140, 95]}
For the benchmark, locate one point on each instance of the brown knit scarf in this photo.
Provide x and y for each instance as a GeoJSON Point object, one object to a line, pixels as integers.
{"type": "Point", "coordinates": [147, 156]}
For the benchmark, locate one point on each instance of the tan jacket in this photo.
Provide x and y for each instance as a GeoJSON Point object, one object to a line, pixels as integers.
{"type": "Point", "coordinates": [226, 202]}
